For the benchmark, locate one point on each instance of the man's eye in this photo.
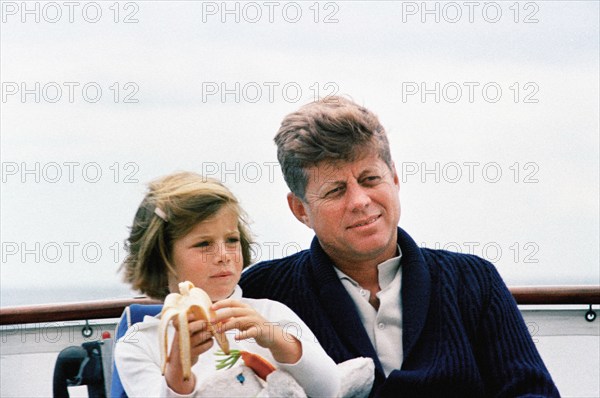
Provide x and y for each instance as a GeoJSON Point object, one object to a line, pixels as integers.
{"type": "Point", "coordinates": [334, 192]}
{"type": "Point", "coordinates": [372, 179]}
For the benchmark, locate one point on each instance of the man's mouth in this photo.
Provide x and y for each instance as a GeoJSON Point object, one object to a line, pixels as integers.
{"type": "Point", "coordinates": [365, 221]}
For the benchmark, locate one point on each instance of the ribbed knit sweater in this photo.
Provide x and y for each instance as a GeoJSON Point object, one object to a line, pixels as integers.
{"type": "Point", "coordinates": [463, 335]}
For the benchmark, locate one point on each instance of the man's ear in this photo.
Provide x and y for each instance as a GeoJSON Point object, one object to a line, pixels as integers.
{"type": "Point", "coordinates": [395, 176]}
{"type": "Point", "coordinates": [297, 206]}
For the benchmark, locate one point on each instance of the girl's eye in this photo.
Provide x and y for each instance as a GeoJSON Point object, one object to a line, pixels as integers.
{"type": "Point", "coordinates": [233, 240]}
{"type": "Point", "coordinates": [202, 244]}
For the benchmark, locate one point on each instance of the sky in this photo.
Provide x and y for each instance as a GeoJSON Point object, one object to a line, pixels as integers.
{"type": "Point", "coordinates": [491, 109]}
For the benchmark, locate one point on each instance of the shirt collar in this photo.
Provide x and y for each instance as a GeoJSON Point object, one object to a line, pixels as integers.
{"type": "Point", "coordinates": [387, 270]}
{"type": "Point", "coordinates": [237, 293]}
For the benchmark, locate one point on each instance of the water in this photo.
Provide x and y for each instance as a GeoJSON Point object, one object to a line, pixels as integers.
{"type": "Point", "coordinates": [13, 296]}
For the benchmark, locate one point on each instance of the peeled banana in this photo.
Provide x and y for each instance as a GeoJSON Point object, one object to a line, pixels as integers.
{"type": "Point", "coordinates": [190, 299]}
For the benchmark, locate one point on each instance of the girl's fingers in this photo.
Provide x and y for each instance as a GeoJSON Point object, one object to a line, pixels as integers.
{"type": "Point", "coordinates": [198, 326]}
{"type": "Point", "coordinates": [191, 319]}
{"type": "Point", "coordinates": [200, 337]}
{"type": "Point", "coordinates": [201, 348]}
{"type": "Point", "coordinates": [225, 314]}
{"type": "Point", "coordinates": [251, 333]}
{"type": "Point", "coordinates": [233, 314]}
{"type": "Point", "coordinates": [229, 312]}
{"type": "Point", "coordinates": [198, 346]}
{"type": "Point", "coordinates": [234, 323]}
{"type": "Point", "coordinates": [229, 303]}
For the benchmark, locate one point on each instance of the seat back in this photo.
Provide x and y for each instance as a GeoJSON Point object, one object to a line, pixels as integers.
{"type": "Point", "coordinates": [133, 314]}
{"type": "Point", "coordinates": [86, 365]}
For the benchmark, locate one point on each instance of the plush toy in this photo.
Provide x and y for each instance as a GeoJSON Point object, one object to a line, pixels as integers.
{"type": "Point", "coordinates": [356, 381]}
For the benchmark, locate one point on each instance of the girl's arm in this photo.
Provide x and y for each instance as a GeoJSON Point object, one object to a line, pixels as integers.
{"type": "Point", "coordinates": [200, 341]}
{"type": "Point", "coordinates": [289, 340]}
{"type": "Point", "coordinates": [138, 362]}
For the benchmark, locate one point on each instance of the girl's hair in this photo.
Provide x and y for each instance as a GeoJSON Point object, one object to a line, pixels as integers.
{"type": "Point", "coordinates": [173, 205]}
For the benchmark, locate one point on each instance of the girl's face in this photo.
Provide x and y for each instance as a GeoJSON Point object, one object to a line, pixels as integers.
{"type": "Point", "coordinates": [210, 255]}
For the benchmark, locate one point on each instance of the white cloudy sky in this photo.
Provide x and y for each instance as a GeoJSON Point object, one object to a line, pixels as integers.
{"type": "Point", "coordinates": [63, 224]}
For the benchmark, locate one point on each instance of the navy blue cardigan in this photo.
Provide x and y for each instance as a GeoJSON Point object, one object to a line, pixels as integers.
{"type": "Point", "coordinates": [463, 334]}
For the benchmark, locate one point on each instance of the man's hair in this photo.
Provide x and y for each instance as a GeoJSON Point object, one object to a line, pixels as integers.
{"type": "Point", "coordinates": [172, 207]}
{"type": "Point", "coordinates": [332, 129]}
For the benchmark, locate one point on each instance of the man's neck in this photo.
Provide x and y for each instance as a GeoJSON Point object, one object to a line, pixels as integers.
{"type": "Point", "coordinates": [366, 272]}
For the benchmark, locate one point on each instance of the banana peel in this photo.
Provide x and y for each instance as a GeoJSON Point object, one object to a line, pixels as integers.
{"type": "Point", "coordinates": [177, 306]}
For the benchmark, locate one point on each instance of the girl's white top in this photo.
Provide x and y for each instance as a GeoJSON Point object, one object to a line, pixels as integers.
{"type": "Point", "coordinates": [137, 355]}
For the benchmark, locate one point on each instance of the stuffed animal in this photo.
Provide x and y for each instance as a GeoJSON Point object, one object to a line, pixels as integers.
{"type": "Point", "coordinates": [356, 374]}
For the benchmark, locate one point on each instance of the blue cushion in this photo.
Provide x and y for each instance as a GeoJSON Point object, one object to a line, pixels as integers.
{"type": "Point", "coordinates": [133, 314]}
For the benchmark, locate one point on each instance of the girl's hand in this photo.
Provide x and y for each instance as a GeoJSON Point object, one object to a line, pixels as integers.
{"type": "Point", "coordinates": [200, 341]}
{"type": "Point", "coordinates": [233, 314]}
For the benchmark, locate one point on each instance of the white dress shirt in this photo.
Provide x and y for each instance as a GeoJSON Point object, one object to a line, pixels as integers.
{"type": "Point", "coordinates": [384, 326]}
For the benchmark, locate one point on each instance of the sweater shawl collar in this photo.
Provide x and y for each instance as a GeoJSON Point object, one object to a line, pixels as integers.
{"type": "Point", "coordinates": [340, 308]}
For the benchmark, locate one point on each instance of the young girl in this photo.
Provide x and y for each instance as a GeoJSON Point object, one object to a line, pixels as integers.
{"type": "Point", "coordinates": [191, 228]}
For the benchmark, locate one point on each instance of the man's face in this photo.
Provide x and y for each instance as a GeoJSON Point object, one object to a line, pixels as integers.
{"type": "Point", "coordinates": [353, 207]}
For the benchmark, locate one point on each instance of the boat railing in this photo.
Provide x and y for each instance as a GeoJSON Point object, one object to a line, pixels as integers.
{"type": "Point", "coordinates": [561, 321]}
{"type": "Point", "coordinates": [102, 309]}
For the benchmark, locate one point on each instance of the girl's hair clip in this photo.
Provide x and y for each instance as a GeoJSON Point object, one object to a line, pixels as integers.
{"type": "Point", "coordinates": [159, 212]}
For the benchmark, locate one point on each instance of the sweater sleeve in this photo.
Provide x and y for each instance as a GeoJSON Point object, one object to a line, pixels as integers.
{"type": "Point", "coordinates": [508, 359]}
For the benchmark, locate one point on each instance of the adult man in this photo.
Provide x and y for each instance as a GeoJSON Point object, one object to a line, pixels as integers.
{"type": "Point", "coordinates": [435, 323]}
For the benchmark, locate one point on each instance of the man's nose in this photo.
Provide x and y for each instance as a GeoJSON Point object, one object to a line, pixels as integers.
{"type": "Point", "coordinates": [358, 198]}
